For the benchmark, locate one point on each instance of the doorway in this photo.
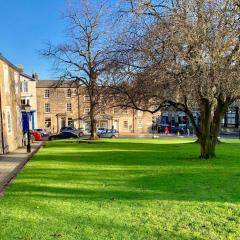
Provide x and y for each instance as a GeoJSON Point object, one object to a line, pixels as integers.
{"type": "Point", "coordinates": [116, 124]}
{"type": "Point", "coordinates": [62, 122]}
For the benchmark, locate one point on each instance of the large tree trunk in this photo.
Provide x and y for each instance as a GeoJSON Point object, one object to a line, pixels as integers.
{"type": "Point", "coordinates": [207, 139]}
{"type": "Point", "coordinates": [208, 132]}
{"type": "Point", "coordinates": [208, 146]}
{"type": "Point", "coordinates": [93, 122]}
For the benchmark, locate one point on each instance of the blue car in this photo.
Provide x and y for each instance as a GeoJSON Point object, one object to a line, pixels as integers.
{"type": "Point", "coordinates": [63, 135]}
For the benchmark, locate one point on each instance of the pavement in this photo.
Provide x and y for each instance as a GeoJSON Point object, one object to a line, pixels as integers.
{"type": "Point", "coordinates": [12, 163]}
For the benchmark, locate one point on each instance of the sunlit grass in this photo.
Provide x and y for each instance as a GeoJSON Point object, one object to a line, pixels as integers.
{"type": "Point", "coordinates": [125, 189]}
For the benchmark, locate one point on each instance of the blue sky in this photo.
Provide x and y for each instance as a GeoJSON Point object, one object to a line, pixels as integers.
{"type": "Point", "coordinates": [25, 26]}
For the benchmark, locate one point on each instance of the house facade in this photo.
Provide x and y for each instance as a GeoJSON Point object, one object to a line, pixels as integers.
{"type": "Point", "coordinates": [230, 120]}
{"type": "Point", "coordinates": [29, 96]}
{"type": "Point", "coordinates": [63, 104]}
{"type": "Point", "coordinates": [10, 107]}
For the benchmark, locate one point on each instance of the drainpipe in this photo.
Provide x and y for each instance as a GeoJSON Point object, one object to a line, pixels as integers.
{"type": "Point", "coordinates": [1, 120]}
{"type": "Point", "coordinates": [133, 118]}
{"type": "Point", "coordinates": [78, 103]}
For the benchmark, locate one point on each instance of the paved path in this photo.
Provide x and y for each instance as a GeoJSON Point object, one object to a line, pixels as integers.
{"type": "Point", "coordinates": [12, 163]}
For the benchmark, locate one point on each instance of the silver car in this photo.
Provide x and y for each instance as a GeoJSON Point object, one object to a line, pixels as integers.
{"type": "Point", "coordinates": [109, 133]}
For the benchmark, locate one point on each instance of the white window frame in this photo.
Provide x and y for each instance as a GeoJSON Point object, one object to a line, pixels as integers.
{"type": "Point", "coordinates": [70, 120]}
{"type": "Point", "coordinates": [25, 86]}
{"type": "Point", "coordinates": [45, 121]}
{"type": "Point", "coordinates": [46, 93]}
{"type": "Point", "coordinates": [23, 101]}
{"type": "Point", "coordinates": [140, 123]}
{"type": "Point", "coordinates": [26, 100]}
{"type": "Point", "coordinates": [86, 98]}
{"type": "Point", "coordinates": [47, 109]}
{"type": "Point", "coordinates": [8, 120]}
{"type": "Point", "coordinates": [21, 87]}
{"type": "Point", "coordinates": [69, 107]}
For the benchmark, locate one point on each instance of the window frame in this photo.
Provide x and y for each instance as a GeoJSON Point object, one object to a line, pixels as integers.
{"type": "Point", "coordinates": [48, 93]}
{"type": "Point", "coordinates": [69, 107]}
{"type": "Point", "coordinates": [9, 120]}
{"type": "Point", "coordinates": [125, 125]}
{"type": "Point", "coordinates": [69, 90]}
{"type": "Point", "coordinates": [45, 121]}
{"type": "Point", "coordinates": [140, 123]}
{"type": "Point", "coordinates": [70, 120]}
{"type": "Point", "coordinates": [46, 108]}
{"type": "Point", "coordinates": [86, 98]}
{"type": "Point", "coordinates": [25, 86]}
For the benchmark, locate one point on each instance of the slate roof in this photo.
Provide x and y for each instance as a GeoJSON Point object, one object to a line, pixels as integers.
{"type": "Point", "coordinates": [9, 63]}
{"type": "Point", "coordinates": [27, 76]}
{"type": "Point", "coordinates": [55, 83]}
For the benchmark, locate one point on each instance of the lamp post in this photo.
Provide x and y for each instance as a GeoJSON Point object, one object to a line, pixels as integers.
{"type": "Point", "coordinates": [27, 109]}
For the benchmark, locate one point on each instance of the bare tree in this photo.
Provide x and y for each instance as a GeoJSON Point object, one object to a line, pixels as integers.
{"type": "Point", "coordinates": [81, 58]}
{"type": "Point", "coordinates": [185, 54]}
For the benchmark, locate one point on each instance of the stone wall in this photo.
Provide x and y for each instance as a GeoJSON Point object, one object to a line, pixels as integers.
{"type": "Point", "coordinates": [127, 122]}
{"type": "Point", "coordinates": [10, 102]}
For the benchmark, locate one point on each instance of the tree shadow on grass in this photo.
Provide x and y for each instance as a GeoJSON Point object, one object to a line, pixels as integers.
{"type": "Point", "coordinates": [121, 174]}
{"type": "Point", "coordinates": [98, 185]}
{"type": "Point", "coordinates": [99, 225]}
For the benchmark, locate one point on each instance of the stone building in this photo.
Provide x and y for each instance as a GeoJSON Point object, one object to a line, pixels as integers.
{"type": "Point", "coordinates": [63, 104]}
{"type": "Point", "coordinates": [230, 120]}
{"type": "Point", "coordinates": [231, 117]}
{"type": "Point", "coordinates": [29, 96]}
{"type": "Point", "coordinates": [10, 110]}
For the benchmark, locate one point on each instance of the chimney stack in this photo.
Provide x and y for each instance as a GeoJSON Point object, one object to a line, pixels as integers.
{"type": "Point", "coordinates": [35, 76]}
{"type": "Point", "coordinates": [20, 67]}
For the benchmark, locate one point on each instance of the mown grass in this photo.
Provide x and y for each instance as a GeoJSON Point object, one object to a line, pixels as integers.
{"type": "Point", "coordinates": [125, 189]}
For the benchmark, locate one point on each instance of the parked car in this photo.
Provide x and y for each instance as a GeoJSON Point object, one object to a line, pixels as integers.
{"type": "Point", "coordinates": [35, 135]}
{"type": "Point", "coordinates": [109, 133]}
{"type": "Point", "coordinates": [79, 132]}
{"type": "Point", "coordinates": [63, 135]}
{"type": "Point", "coordinates": [86, 132]}
{"type": "Point", "coordinates": [100, 130]}
{"type": "Point", "coordinates": [41, 131]}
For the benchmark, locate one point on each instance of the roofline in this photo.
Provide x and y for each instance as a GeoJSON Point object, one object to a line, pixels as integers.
{"type": "Point", "coordinates": [27, 76]}
{"type": "Point", "coordinates": [56, 84]}
{"type": "Point", "coordinates": [9, 63]}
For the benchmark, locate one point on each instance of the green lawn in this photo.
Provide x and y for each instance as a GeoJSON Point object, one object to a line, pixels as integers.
{"type": "Point", "coordinates": [125, 189]}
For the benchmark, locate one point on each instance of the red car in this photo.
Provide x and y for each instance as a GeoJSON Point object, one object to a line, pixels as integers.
{"type": "Point", "coordinates": [36, 135]}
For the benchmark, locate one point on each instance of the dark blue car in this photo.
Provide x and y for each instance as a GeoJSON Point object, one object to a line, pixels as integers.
{"type": "Point", "coordinates": [63, 135]}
